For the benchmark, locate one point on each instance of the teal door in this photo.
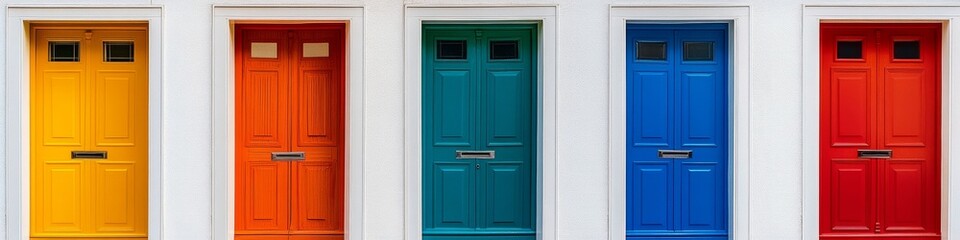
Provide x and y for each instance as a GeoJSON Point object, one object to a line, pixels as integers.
{"type": "Point", "coordinates": [478, 131]}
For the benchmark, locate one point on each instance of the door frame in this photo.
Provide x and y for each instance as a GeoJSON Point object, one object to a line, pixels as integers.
{"type": "Point", "coordinates": [738, 165]}
{"type": "Point", "coordinates": [545, 16]}
{"type": "Point", "coordinates": [738, 73]}
{"type": "Point", "coordinates": [17, 143]}
{"type": "Point", "coordinates": [813, 15]}
{"type": "Point", "coordinates": [224, 18]}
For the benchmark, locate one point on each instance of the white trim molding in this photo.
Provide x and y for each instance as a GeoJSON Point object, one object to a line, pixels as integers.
{"type": "Point", "coordinates": [224, 18]}
{"type": "Point", "coordinates": [543, 15]}
{"type": "Point", "coordinates": [738, 18]}
{"type": "Point", "coordinates": [813, 15]}
{"type": "Point", "coordinates": [17, 135]}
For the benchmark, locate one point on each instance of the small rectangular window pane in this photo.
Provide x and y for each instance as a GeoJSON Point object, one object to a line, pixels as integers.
{"type": "Point", "coordinates": [316, 50]}
{"type": "Point", "coordinates": [118, 51]}
{"type": "Point", "coordinates": [263, 50]}
{"type": "Point", "coordinates": [504, 50]}
{"type": "Point", "coordinates": [452, 49]}
{"type": "Point", "coordinates": [698, 51]}
{"type": "Point", "coordinates": [64, 51]}
{"type": "Point", "coordinates": [652, 50]}
{"type": "Point", "coordinates": [906, 49]}
{"type": "Point", "coordinates": [849, 50]}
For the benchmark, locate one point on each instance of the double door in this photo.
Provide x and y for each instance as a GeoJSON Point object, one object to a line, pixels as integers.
{"type": "Point", "coordinates": [478, 131]}
{"type": "Point", "coordinates": [880, 131]}
{"type": "Point", "coordinates": [289, 131]}
{"type": "Point", "coordinates": [88, 131]}
{"type": "Point", "coordinates": [677, 131]}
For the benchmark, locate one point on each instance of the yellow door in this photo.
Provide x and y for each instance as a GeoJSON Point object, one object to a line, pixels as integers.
{"type": "Point", "coordinates": [88, 131]}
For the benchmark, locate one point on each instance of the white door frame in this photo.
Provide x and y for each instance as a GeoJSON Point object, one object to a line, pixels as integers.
{"type": "Point", "coordinates": [546, 17]}
{"type": "Point", "coordinates": [739, 101]}
{"type": "Point", "coordinates": [17, 142]}
{"type": "Point", "coordinates": [813, 15]}
{"type": "Point", "coordinates": [224, 17]}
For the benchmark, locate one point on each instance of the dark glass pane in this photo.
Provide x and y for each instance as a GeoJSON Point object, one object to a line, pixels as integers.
{"type": "Point", "coordinates": [698, 51]}
{"type": "Point", "coordinates": [64, 51]}
{"type": "Point", "coordinates": [849, 50]}
{"type": "Point", "coordinates": [452, 49]}
{"type": "Point", "coordinates": [118, 51]}
{"type": "Point", "coordinates": [504, 50]}
{"type": "Point", "coordinates": [652, 50]}
{"type": "Point", "coordinates": [906, 49]}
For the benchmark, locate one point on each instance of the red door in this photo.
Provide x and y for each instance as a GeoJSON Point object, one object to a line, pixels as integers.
{"type": "Point", "coordinates": [880, 131]}
{"type": "Point", "coordinates": [289, 128]}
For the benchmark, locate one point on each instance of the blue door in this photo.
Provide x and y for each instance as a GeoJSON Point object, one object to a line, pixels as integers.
{"type": "Point", "coordinates": [677, 131]}
{"type": "Point", "coordinates": [478, 132]}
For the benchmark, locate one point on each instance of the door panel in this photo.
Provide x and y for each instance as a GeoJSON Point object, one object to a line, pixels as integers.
{"type": "Point", "coordinates": [851, 98]}
{"type": "Point", "coordinates": [701, 207]}
{"type": "Point", "coordinates": [887, 99]}
{"type": "Point", "coordinates": [852, 195]}
{"type": "Point", "coordinates": [84, 100]}
{"type": "Point", "coordinates": [478, 96]}
{"type": "Point", "coordinates": [63, 105]}
{"type": "Point", "coordinates": [290, 99]}
{"type": "Point", "coordinates": [655, 196]}
{"type": "Point", "coordinates": [63, 195]}
{"type": "Point", "coordinates": [677, 101]}
{"type": "Point", "coordinates": [115, 182]}
{"type": "Point", "coordinates": [317, 192]}
{"type": "Point", "coordinates": [454, 208]}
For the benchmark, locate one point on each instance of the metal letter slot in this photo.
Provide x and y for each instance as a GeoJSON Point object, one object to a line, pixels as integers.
{"type": "Point", "coordinates": [287, 156]}
{"type": "Point", "coordinates": [874, 153]}
{"type": "Point", "coordinates": [675, 153]}
{"type": "Point", "coordinates": [463, 154]}
{"type": "Point", "coordinates": [88, 155]}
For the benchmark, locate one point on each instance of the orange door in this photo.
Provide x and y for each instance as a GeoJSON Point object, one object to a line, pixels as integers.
{"type": "Point", "coordinates": [289, 131]}
{"type": "Point", "coordinates": [89, 131]}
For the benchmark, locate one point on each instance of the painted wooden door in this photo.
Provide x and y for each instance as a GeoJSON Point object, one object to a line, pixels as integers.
{"type": "Point", "coordinates": [89, 131]}
{"type": "Point", "coordinates": [677, 131]}
{"type": "Point", "coordinates": [289, 128]}
{"type": "Point", "coordinates": [478, 131]}
{"type": "Point", "coordinates": [880, 131]}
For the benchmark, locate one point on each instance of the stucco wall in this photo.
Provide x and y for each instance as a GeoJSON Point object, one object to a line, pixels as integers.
{"type": "Point", "coordinates": [775, 175]}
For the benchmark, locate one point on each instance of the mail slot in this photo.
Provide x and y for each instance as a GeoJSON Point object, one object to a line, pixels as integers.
{"type": "Point", "coordinates": [88, 155]}
{"type": "Point", "coordinates": [874, 153]}
{"type": "Point", "coordinates": [476, 154]}
{"type": "Point", "coordinates": [675, 153]}
{"type": "Point", "coordinates": [287, 156]}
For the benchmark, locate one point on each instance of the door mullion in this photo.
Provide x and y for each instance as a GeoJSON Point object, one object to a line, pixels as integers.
{"type": "Point", "coordinates": [479, 126]}
{"type": "Point", "coordinates": [673, 58]}
{"type": "Point", "coordinates": [877, 129]}
{"type": "Point", "coordinates": [289, 60]}
{"type": "Point", "coordinates": [86, 169]}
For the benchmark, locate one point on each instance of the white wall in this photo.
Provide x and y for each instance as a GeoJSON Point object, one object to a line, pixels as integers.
{"type": "Point", "coordinates": [775, 176]}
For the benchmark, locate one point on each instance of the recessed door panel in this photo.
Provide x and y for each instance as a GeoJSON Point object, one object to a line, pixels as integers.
{"type": "Point", "coordinates": [880, 131]}
{"type": "Point", "coordinates": [701, 208]}
{"type": "Point", "coordinates": [454, 208]}
{"type": "Point", "coordinates": [63, 102]}
{"type": "Point", "coordinates": [850, 101]}
{"type": "Point", "coordinates": [478, 126]}
{"type": "Point", "coordinates": [655, 210]}
{"type": "Point", "coordinates": [653, 100]}
{"type": "Point", "coordinates": [289, 120]}
{"type": "Point", "coordinates": [853, 189]}
{"type": "Point", "coordinates": [677, 128]}
{"type": "Point", "coordinates": [63, 195]}
{"type": "Point", "coordinates": [116, 207]}
{"type": "Point", "coordinates": [89, 131]}
{"type": "Point", "coordinates": [453, 101]}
